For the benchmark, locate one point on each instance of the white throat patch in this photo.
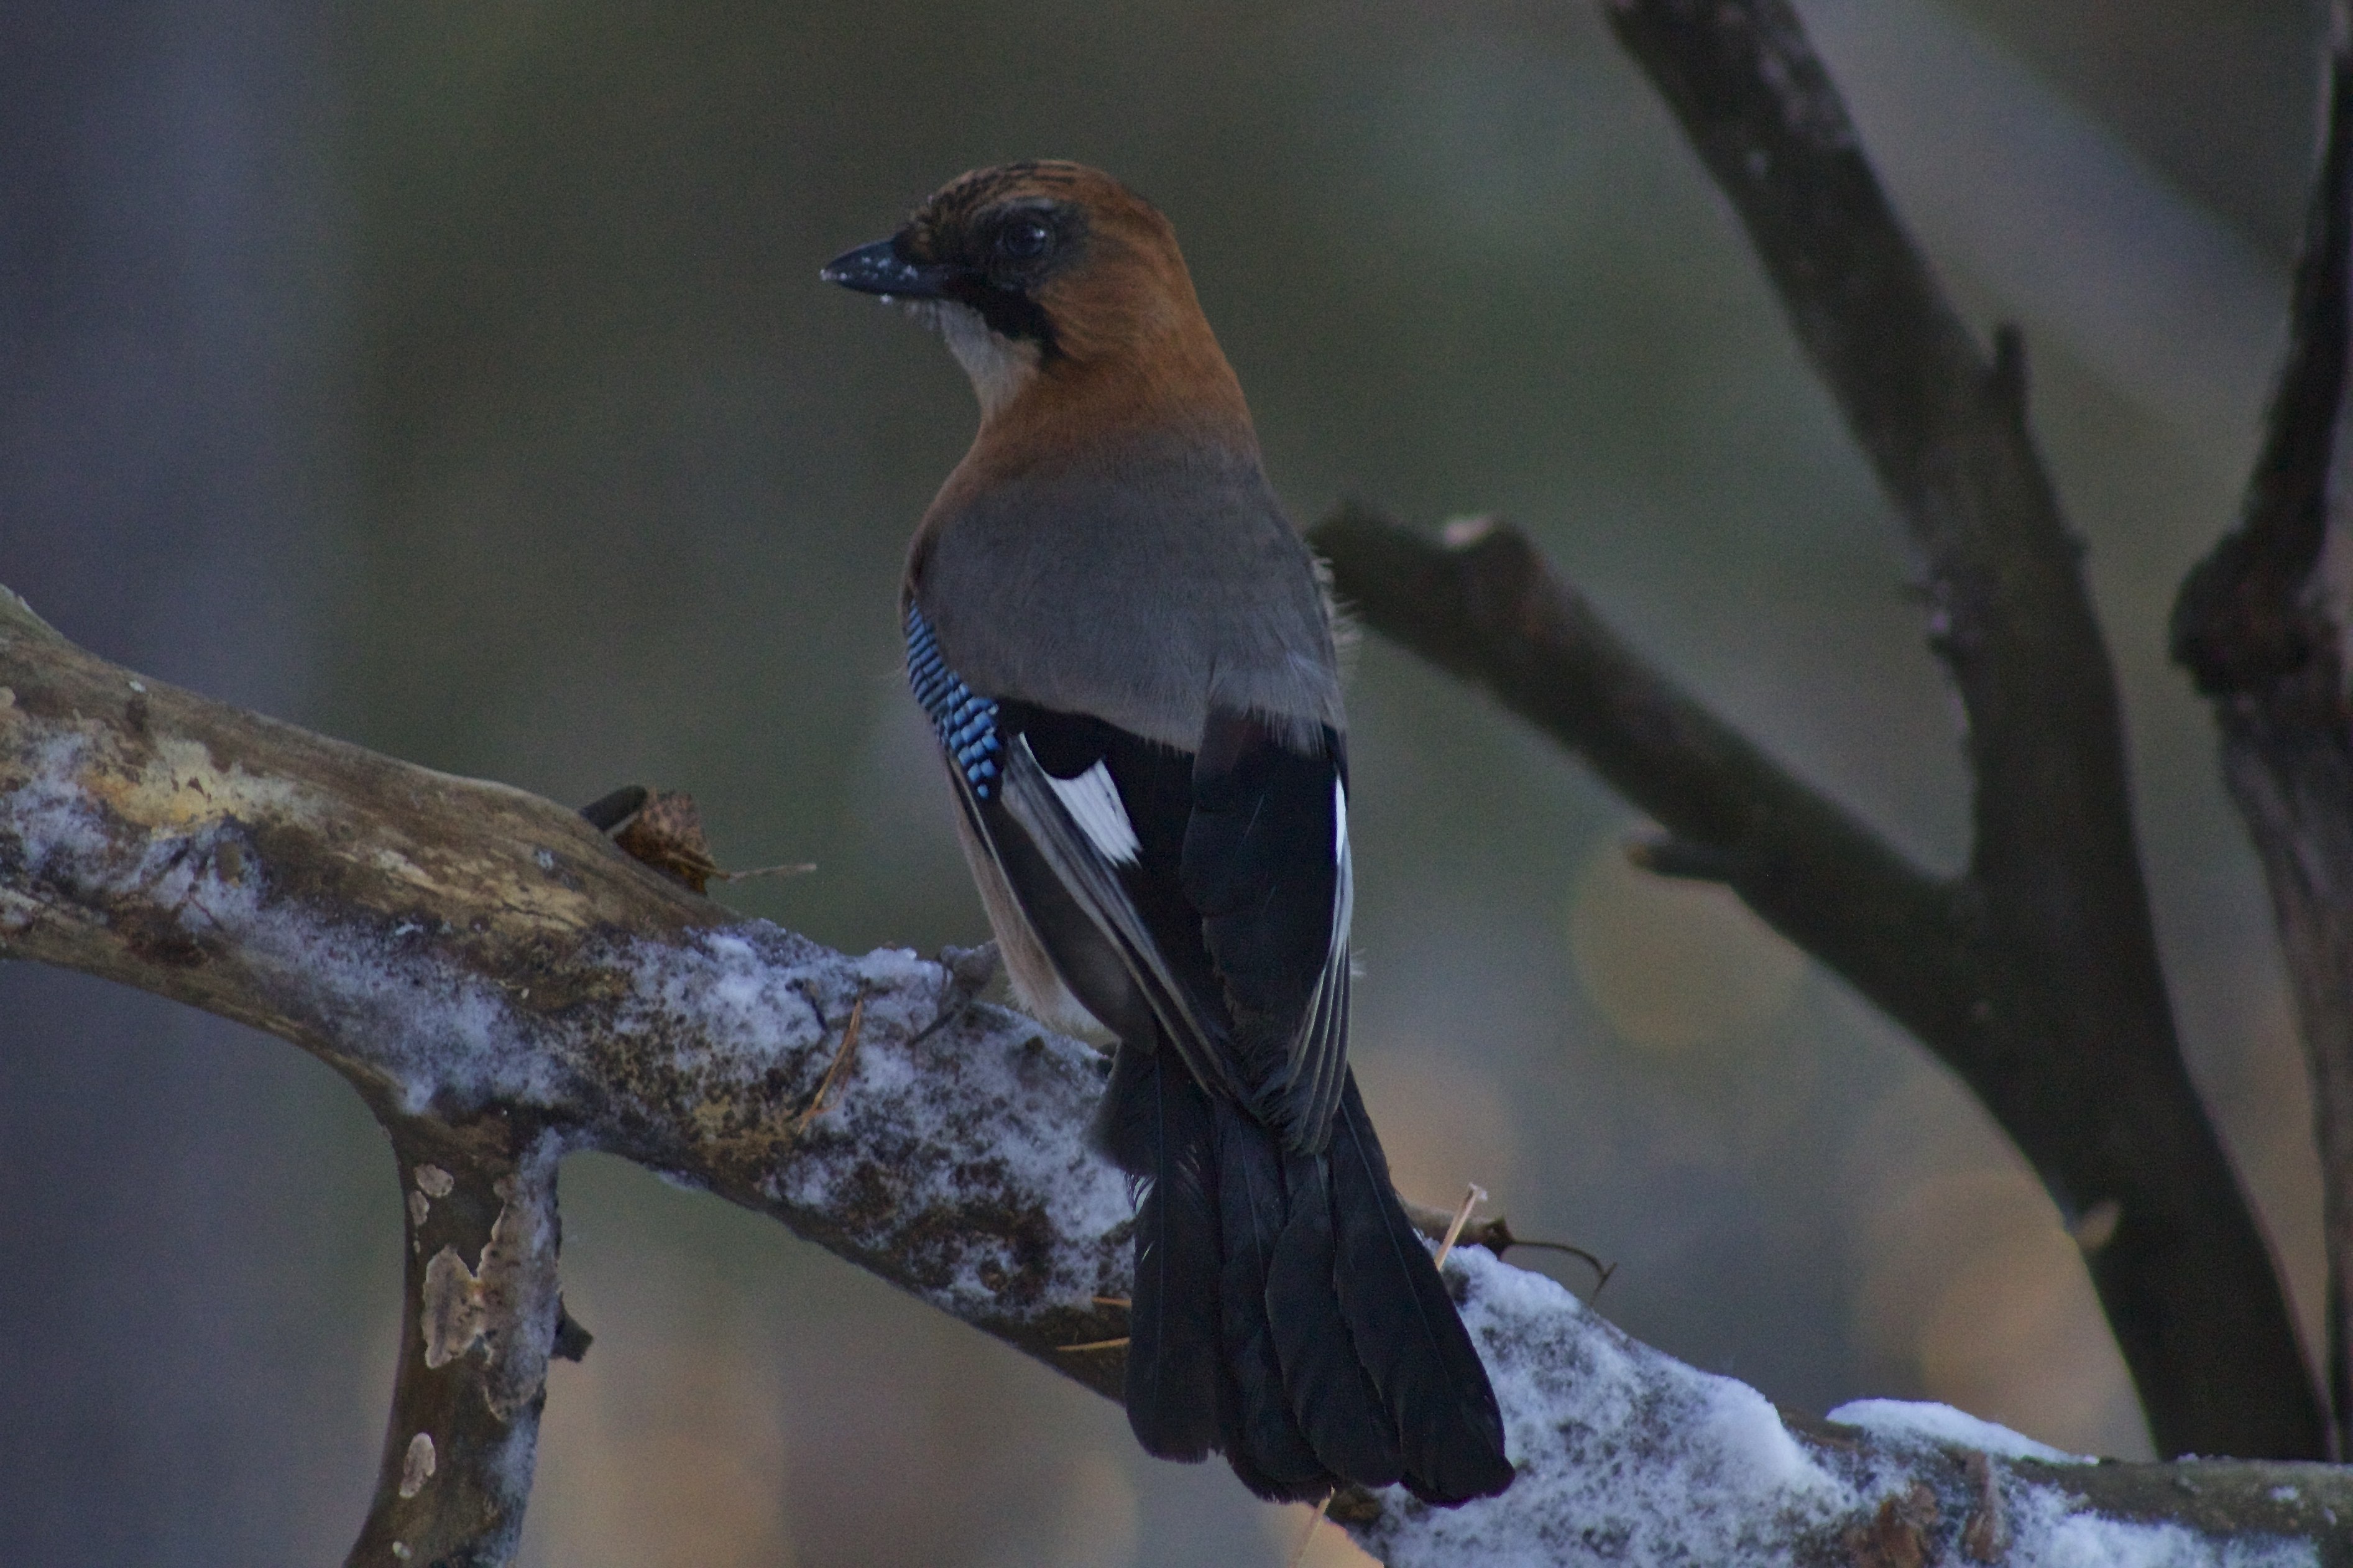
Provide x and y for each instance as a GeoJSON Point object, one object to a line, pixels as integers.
{"type": "Point", "coordinates": [999, 366]}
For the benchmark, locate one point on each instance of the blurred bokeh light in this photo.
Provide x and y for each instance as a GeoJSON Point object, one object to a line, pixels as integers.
{"type": "Point", "coordinates": [1676, 967]}
{"type": "Point", "coordinates": [454, 377]}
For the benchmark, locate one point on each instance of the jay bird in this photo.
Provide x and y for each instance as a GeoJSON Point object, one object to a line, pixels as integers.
{"type": "Point", "coordinates": [1128, 654]}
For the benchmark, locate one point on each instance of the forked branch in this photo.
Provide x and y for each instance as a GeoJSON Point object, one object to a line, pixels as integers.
{"type": "Point", "coordinates": [2033, 974]}
{"type": "Point", "coordinates": [504, 986]}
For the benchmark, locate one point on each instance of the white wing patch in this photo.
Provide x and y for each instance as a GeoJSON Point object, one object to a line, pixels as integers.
{"type": "Point", "coordinates": [1093, 800]}
{"type": "Point", "coordinates": [1344, 891]}
{"type": "Point", "coordinates": [1319, 1053]}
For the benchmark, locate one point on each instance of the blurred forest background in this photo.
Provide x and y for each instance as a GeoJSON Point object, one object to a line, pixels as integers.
{"type": "Point", "coordinates": [455, 378]}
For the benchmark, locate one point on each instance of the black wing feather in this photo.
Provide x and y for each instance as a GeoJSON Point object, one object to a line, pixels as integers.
{"type": "Point", "coordinates": [1266, 864]}
{"type": "Point", "coordinates": [1140, 911]}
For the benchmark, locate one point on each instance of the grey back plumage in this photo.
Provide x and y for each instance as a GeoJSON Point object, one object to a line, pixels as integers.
{"type": "Point", "coordinates": [1143, 584]}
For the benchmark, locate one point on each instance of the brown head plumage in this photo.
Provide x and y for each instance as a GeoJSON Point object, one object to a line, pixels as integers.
{"type": "Point", "coordinates": [1061, 293]}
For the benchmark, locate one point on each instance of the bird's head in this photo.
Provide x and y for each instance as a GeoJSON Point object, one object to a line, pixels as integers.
{"type": "Point", "coordinates": [1052, 284]}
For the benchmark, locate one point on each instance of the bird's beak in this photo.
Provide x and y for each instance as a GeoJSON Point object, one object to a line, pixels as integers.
{"type": "Point", "coordinates": [879, 269]}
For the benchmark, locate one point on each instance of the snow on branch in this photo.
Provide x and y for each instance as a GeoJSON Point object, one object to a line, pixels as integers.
{"type": "Point", "coordinates": [504, 986]}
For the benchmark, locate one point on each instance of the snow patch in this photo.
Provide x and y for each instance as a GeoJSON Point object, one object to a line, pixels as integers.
{"type": "Point", "coordinates": [2046, 1533]}
{"type": "Point", "coordinates": [1625, 1455]}
{"type": "Point", "coordinates": [951, 1142]}
{"type": "Point", "coordinates": [729, 1009]}
{"type": "Point", "coordinates": [1906, 1423]}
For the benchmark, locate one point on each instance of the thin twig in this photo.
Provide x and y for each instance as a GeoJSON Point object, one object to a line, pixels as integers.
{"type": "Point", "coordinates": [1473, 1197]}
{"type": "Point", "coordinates": [1602, 1272]}
{"type": "Point", "coordinates": [799, 868]}
{"type": "Point", "coordinates": [841, 1059]}
{"type": "Point", "coordinates": [1307, 1536]}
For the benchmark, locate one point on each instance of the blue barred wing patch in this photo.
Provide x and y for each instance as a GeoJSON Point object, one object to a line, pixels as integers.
{"type": "Point", "coordinates": [966, 724]}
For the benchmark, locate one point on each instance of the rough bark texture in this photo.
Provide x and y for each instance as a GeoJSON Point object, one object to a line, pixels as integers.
{"type": "Point", "coordinates": [502, 986]}
{"type": "Point", "coordinates": [2034, 974]}
{"type": "Point", "coordinates": [2260, 627]}
{"type": "Point", "coordinates": [479, 1316]}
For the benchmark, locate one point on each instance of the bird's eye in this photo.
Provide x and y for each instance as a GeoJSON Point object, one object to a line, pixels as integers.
{"type": "Point", "coordinates": [1024, 239]}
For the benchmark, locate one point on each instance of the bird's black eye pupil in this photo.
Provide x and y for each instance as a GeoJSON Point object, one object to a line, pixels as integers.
{"type": "Point", "coordinates": [1024, 239]}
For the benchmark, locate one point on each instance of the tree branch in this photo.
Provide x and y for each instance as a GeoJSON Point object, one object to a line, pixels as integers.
{"type": "Point", "coordinates": [2035, 975]}
{"type": "Point", "coordinates": [1484, 606]}
{"type": "Point", "coordinates": [502, 986]}
{"type": "Point", "coordinates": [479, 1316]}
{"type": "Point", "coordinates": [2263, 634]}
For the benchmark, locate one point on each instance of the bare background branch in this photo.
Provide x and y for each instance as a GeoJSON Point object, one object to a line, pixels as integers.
{"type": "Point", "coordinates": [2034, 975]}
{"type": "Point", "coordinates": [2260, 627]}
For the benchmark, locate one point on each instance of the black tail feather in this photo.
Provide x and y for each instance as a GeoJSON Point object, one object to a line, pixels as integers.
{"type": "Point", "coordinates": [1332, 1394]}
{"type": "Point", "coordinates": [1450, 1431]}
{"type": "Point", "coordinates": [1256, 1420]}
{"type": "Point", "coordinates": [1285, 1311]}
{"type": "Point", "coordinates": [1173, 1360]}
